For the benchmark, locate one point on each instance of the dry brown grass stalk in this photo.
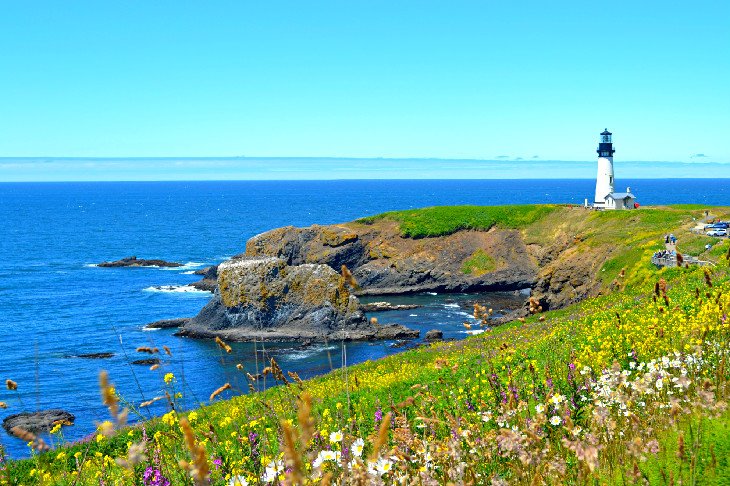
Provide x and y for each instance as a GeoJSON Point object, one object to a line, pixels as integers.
{"type": "Point", "coordinates": [382, 437]}
{"type": "Point", "coordinates": [199, 469]}
{"type": "Point", "coordinates": [150, 402]}
{"type": "Point", "coordinates": [218, 391]}
{"type": "Point", "coordinates": [36, 442]}
{"type": "Point", "coordinates": [349, 279]}
{"type": "Point", "coordinates": [291, 454]}
{"type": "Point", "coordinates": [304, 415]}
{"type": "Point", "coordinates": [148, 350]}
{"type": "Point", "coordinates": [223, 345]}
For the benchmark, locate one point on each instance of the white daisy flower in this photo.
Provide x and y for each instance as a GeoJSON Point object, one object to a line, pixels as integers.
{"type": "Point", "coordinates": [357, 447]}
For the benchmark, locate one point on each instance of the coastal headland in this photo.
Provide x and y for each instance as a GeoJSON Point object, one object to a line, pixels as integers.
{"type": "Point", "coordinates": [289, 283]}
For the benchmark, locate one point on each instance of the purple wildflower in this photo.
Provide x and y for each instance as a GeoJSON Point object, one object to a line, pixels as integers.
{"type": "Point", "coordinates": [153, 477]}
{"type": "Point", "coordinates": [378, 415]}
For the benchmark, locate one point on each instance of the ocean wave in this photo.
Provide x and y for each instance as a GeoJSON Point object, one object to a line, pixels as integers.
{"type": "Point", "coordinates": [177, 289]}
{"type": "Point", "coordinates": [472, 332]}
{"type": "Point", "coordinates": [412, 315]}
{"type": "Point", "coordinates": [453, 306]}
{"type": "Point", "coordinates": [298, 354]}
{"type": "Point", "coordinates": [186, 266]}
{"type": "Point", "coordinates": [90, 265]}
{"type": "Point", "coordinates": [432, 293]}
{"type": "Point", "coordinates": [189, 272]}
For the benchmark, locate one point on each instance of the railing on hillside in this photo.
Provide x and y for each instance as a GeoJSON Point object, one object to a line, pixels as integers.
{"type": "Point", "coordinates": [671, 261]}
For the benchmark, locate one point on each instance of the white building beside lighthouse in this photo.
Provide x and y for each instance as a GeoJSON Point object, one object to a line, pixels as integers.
{"type": "Point", "coordinates": [606, 196]}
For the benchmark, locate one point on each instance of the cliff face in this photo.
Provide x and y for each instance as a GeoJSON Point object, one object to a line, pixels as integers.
{"type": "Point", "coordinates": [287, 284]}
{"type": "Point", "coordinates": [384, 262]}
{"type": "Point", "coordinates": [264, 298]}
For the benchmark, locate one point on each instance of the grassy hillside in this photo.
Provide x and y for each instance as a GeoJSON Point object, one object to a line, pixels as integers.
{"type": "Point", "coordinates": [626, 387]}
{"type": "Point", "coordinates": [444, 220]}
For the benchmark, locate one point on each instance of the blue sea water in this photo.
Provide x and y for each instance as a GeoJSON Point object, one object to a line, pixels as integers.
{"type": "Point", "coordinates": [54, 304]}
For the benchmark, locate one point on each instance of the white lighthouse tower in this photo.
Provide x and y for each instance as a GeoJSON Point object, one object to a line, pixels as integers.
{"type": "Point", "coordinates": [606, 197]}
{"type": "Point", "coordinates": [604, 179]}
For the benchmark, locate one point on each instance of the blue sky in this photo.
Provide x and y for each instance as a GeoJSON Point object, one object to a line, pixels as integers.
{"type": "Point", "coordinates": [461, 80]}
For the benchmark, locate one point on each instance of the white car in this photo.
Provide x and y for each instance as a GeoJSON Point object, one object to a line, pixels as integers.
{"type": "Point", "coordinates": [717, 232]}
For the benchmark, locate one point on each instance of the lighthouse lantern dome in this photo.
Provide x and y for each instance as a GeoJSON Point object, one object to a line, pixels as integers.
{"type": "Point", "coordinates": [606, 136]}
{"type": "Point", "coordinates": [605, 146]}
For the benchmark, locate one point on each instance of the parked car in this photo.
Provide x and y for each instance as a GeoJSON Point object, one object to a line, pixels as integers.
{"type": "Point", "coordinates": [717, 232]}
{"type": "Point", "coordinates": [720, 225]}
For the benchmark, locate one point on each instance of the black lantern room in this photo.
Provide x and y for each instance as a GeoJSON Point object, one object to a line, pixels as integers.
{"type": "Point", "coordinates": [605, 147]}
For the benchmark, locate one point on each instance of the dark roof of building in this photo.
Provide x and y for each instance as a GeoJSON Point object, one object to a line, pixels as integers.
{"type": "Point", "coordinates": [606, 132]}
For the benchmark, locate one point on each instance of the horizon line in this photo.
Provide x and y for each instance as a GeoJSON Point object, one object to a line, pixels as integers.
{"type": "Point", "coordinates": [498, 158]}
{"type": "Point", "coordinates": [76, 181]}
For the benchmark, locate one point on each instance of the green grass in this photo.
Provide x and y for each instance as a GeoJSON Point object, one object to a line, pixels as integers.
{"type": "Point", "coordinates": [695, 244]}
{"type": "Point", "coordinates": [478, 264]}
{"type": "Point", "coordinates": [445, 220]}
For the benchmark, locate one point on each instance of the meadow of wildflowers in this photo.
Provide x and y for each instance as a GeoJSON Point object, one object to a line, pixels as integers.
{"type": "Point", "coordinates": [630, 387]}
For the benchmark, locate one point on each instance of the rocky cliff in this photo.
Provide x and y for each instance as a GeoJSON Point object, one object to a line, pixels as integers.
{"type": "Point", "coordinates": [384, 262]}
{"type": "Point", "coordinates": [265, 298]}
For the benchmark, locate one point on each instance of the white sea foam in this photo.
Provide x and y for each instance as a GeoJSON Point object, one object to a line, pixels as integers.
{"type": "Point", "coordinates": [298, 354]}
{"type": "Point", "coordinates": [186, 266]}
{"type": "Point", "coordinates": [473, 332]}
{"type": "Point", "coordinates": [90, 265]}
{"type": "Point", "coordinates": [412, 315]}
{"type": "Point", "coordinates": [189, 272]}
{"type": "Point", "coordinates": [455, 306]}
{"type": "Point", "coordinates": [178, 289]}
{"type": "Point", "coordinates": [432, 293]}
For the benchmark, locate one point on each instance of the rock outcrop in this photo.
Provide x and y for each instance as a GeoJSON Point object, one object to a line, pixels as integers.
{"type": "Point", "coordinates": [384, 262]}
{"type": "Point", "coordinates": [133, 261]}
{"type": "Point", "coordinates": [386, 306]}
{"type": "Point", "coordinates": [168, 323]}
{"type": "Point", "coordinates": [37, 422]}
{"type": "Point", "coordinates": [265, 298]}
{"type": "Point", "coordinates": [209, 282]}
{"type": "Point", "coordinates": [434, 335]}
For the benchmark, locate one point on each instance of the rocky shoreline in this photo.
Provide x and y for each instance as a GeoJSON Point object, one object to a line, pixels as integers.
{"type": "Point", "coordinates": [300, 284]}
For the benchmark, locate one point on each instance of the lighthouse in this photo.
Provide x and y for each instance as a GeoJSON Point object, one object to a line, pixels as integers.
{"type": "Point", "coordinates": [604, 179]}
{"type": "Point", "coordinates": [606, 197]}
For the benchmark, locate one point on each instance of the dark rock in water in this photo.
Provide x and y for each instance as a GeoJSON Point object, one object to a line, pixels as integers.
{"type": "Point", "coordinates": [386, 306]}
{"type": "Point", "coordinates": [434, 335]}
{"type": "Point", "coordinates": [168, 323]}
{"type": "Point", "coordinates": [95, 355]}
{"type": "Point", "coordinates": [133, 261]}
{"type": "Point", "coordinates": [210, 272]}
{"type": "Point", "coordinates": [209, 281]}
{"type": "Point", "coordinates": [146, 361]}
{"type": "Point", "coordinates": [37, 422]}
{"type": "Point", "coordinates": [264, 298]}
{"type": "Point", "coordinates": [395, 331]}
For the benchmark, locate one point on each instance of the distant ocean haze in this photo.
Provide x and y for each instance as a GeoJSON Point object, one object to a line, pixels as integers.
{"type": "Point", "coordinates": [55, 304]}
{"type": "Point", "coordinates": [282, 168]}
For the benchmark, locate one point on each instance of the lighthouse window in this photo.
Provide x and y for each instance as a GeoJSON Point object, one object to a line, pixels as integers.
{"type": "Point", "coordinates": [610, 179]}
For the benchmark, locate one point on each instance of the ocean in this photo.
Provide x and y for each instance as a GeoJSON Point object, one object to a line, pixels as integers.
{"type": "Point", "coordinates": [55, 304]}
